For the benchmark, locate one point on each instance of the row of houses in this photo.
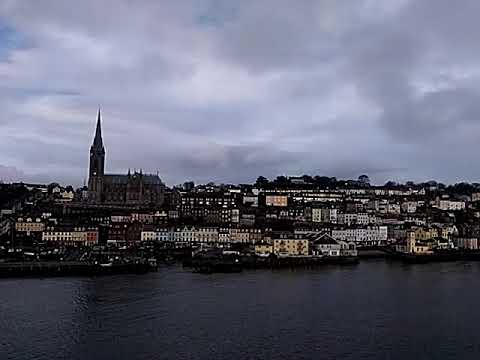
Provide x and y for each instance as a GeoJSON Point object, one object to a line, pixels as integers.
{"type": "Point", "coordinates": [191, 234]}
{"type": "Point", "coordinates": [368, 235]}
{"type": "Point", "coordinates": [71, 236]}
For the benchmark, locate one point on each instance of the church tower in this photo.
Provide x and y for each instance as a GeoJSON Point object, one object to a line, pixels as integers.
{"type": "Point", "coordinates": [97, 164]}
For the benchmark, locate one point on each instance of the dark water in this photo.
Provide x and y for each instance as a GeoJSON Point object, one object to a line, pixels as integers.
{"type": "Point", "coordinates": [375, 310]}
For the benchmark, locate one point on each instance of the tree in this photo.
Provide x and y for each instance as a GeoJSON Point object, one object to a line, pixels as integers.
{"type": "Point", "coordinates": [308, 179]}
{"type": "Point", "coordinates": [261, 182]}
{"type": "Point", "coordinates": [188, 185]}
{"type": "Point", "coordinates": [52, 186]}
{"type": "Point", "coordinates": [390, 184]}
{"type": "Point", "coordinates": [364, 179]}
{"type": "Point", "coordinates": [281, 181]}
{"type": "Point", "coordinates": [324, 181]}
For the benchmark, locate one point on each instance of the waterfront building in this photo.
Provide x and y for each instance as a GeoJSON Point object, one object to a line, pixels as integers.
{"type": "Point", "coordinates": [413, 246]}
{"type": "Point", "coordinates": [240, 235]}
{"type": "Point", "coordinates": [206, 235]}
{"type": "Point", "coordinates": [322, 244]}
{"type": "Point", "coordinates": [185, 234]}
{"type": "Point", "coordinates": [467, 243]}
{"type": "Point", "coordinates": [290, 245]}
{"type": "Point", "coordinates": [71, 235]}
{"type": "Point", "coordinates": [165, 234]}
{"type": "Point", "coordinates": [245, 235]}
{"type": "Point", "coordinates": [367, 235]}
{"type": "Point", "coordinates": [263, 249]}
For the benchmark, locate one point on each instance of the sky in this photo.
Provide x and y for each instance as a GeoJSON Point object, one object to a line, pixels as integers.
{"type": "Point", "coordinates": [226, 91]}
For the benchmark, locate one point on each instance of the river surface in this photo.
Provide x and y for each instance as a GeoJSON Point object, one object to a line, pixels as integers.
{"type": "Point", "coordinates": [375, 310]}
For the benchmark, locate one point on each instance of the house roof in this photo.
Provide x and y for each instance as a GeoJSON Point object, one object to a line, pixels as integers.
{"type": "Point", "coordinates": [322, 239]}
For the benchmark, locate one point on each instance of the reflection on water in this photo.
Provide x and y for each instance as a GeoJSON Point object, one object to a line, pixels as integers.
{"type": "Point", "coordinates": [376, 310]}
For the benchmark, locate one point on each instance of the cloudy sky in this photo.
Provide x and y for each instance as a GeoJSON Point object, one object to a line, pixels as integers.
{"type": "Point", "coordinates": [228, 90]}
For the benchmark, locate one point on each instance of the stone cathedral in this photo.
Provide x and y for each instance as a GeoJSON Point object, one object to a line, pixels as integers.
{"type": "Point", "coordinates": [135, 189]}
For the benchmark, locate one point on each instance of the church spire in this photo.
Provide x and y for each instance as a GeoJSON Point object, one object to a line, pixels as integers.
{"type": "Point", "coordinates": [98, 141]}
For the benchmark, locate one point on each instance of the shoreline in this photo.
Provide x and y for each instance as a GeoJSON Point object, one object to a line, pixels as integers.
{"type": "Point", "coordinates": [46, 269]}
{"type": "Point", "coordinates": [65, 269]}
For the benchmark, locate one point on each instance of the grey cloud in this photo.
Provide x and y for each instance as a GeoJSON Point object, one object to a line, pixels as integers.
{"type": "Point", "coordinates": [216, 91]}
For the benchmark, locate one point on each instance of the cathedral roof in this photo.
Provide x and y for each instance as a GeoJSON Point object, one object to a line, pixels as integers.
{"type": "Point", "coordinates": [115, 179]}
{"type": "Point", "coordinates": [124, 179]}
{"type": "Point", "coordinates": [152, 179]}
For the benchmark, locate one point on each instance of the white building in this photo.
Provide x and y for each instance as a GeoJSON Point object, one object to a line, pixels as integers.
{"type": "Point", "coordinates": [369, 235]}
{"type": "Point", "coordinates": [355, 218]}
{"type": "Point", "coordinates": [120, 218]}
{"type": "Point", "coordinates": [251, 200]}
{"type": "Point", "coordinates": [148, 235]}
{"type": "Point", "coordinates": [448, 205]}
{"type": "Point", "coordinates": [158, 234]}
{"type": "Point", "coordinates": [393, 208]}
{"type": "Point", "coordinates": [409, 207]}
{"type": "Point", "coordinates": [321, 215]}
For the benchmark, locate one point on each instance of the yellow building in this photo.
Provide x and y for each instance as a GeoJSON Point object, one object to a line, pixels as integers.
{"type": "Point", "coordinates": [428, 233]}
{"type": "Point", "coordinates": [29, 225]}
{"type": "Point", "coordinates": [417, 247]}
{"type": "Point", "coordinates": [423, 234]}
{"type": "Point", "coordinates": [79, 236]}
{"type": "Point", "coordinates": [276, 200]}
{"type": "Point", "coordinates": [290, 247]}
{"type": "Point", "coordinates": [263, 249]}
{"type": "Point", "coordinates": [422, 249]}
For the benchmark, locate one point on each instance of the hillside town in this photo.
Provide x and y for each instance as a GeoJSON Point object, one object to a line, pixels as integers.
{"type": "Point", "coordinates": [301, 216]}
{"type": "Point", "coordinates": [295, 216]}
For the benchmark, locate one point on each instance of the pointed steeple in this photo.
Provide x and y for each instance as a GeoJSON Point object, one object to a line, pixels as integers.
{"type": "Point", "coordinates": [98, 141]}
